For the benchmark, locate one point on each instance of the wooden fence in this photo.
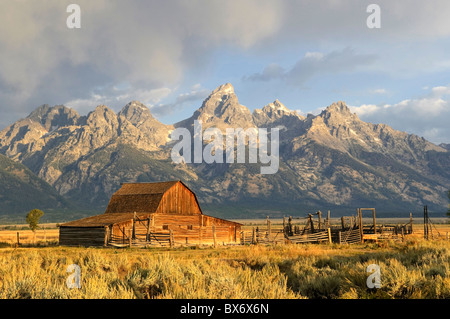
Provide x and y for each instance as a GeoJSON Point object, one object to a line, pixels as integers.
{"type": "Point", "coordinates": [352, 236]}
{"type": "Point", "coordinates": [152, 239]}
{"type": "Point", "coordinates": [320, 236]}
{"type": "Point", "coordinates": [261, 237]}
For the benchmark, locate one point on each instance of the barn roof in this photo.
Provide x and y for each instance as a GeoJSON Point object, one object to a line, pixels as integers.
{"type": "Point", "coordinates": [102, 220]}
{"type": "Point", "coordinates": [145, 188]}
{"type": "Point", "coordinates": [140, 197]}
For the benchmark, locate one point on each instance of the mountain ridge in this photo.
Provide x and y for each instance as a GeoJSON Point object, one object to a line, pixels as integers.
{"type": "Point", "coordinates": [332, 159]}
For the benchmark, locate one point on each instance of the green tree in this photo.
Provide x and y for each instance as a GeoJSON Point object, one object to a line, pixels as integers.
{"type": "Point", "coordinates": [33, 218]}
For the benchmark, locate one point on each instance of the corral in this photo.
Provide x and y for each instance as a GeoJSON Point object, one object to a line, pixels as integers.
{"type": "Point", "coordinates": [144, 214]}
{"type": "Point", "coordinates": [315, 228]}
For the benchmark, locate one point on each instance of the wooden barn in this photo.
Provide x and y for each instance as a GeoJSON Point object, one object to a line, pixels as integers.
{"type": "Point", "coordinates": [163, 213]}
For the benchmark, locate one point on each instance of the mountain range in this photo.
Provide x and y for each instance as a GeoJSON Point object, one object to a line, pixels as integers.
{"type": "Point", "coordinates": [330, 161]}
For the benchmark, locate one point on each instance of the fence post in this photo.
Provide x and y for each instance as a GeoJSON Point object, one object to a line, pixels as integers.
{"type": "Point", "coordinates": [214, 235]}
{"type": "Point", "coordinates": [134, 226]}
{"type": "Point", "coordinates": [329, 235]}
{"type": "Point", "coordinates": [311, 222]}
{"type": "Point", "coordinates": [340, 242]}
{"type": "Point", "coordinates": [319, 213]}
{"type": "Point", "coordinates": [243, 237]}
{"type": "Point", "coordinates": [361, 230]}
{"type": "Point", "coordinates": [106, 236]}
{"type": "Point", "coordinates": [130, 233]}
{"type": "Point", "coordinates": [147, 235]}
{"type": "Point", "coordinates": [254, 236]}
{"type": "Point", "coordinates": [18, 239]}
{"type": "Point", "coordinates": [170, 238]}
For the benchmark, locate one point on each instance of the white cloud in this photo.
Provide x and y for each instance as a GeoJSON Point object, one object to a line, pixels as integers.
{"type": "Point", "coordinates": [426, 116]}
{"type": "Point", "coordinates": [196, 94]}
{"type": "Point", "coordinates": [314, 64]}
{"type": "Point", "coordinates": [147, 97]}
{"type": "Point", "coordinates": [144, 43]}
{"type": "Point", "coordinates": [379, 91]}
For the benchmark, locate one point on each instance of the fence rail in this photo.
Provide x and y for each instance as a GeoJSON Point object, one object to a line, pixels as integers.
{"type": "Point", "coordinates": [321, 236]}
{"type": "Point", "coordinates": [352, 236]}
{"type": "Point", "coordinates": [142, 239]}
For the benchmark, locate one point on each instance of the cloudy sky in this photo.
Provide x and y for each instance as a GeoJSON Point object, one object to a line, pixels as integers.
{"type": "Point", "coordinates": [170, 54]}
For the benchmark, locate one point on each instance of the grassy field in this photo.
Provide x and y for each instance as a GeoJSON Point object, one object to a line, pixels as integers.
{"type": "Point", "coordinates": [414, 268]}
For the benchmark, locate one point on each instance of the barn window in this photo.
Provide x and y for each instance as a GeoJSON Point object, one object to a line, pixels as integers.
{"type": "Point", "coordinates": [189, 227]}
{"type": "Point", "coordinates": [165, 226]}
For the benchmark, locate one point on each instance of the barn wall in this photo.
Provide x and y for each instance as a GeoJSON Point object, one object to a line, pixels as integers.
{"type": "Point", "coordinates": [196, 228]}
{"type": "Point", "coordinates": [116, 230]}
{"type": "Point", "coordinates": [82, 236]}
{"type": "Point", "coordinates": [178, 200]}
{"type": "Point", "coordinates": [191, 229]}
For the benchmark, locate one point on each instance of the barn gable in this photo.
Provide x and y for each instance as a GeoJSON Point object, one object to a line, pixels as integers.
{"type": "Point", "coordinates": [172, 197]}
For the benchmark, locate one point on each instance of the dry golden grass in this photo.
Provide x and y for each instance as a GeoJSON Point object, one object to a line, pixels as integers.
{"type": "Point", "coordinates": [26, 236]}
{"type": "Point", "coordinates": [412, 269]}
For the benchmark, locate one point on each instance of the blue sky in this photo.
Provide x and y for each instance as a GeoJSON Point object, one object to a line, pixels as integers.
{"type": "Point", "coordinates": [171, 54]}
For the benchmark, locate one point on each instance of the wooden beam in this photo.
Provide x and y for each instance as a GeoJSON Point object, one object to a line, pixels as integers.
{"type": "Point", "coordinates": [374, 221]}
{"type": "Point", "coordinates": [106, 236]}
{"type": "Point", "coordinates": [134, 226]}
{"type": "Point", "coordinates": [130, 233]}
{"type": "Point", "coordinates": [320, 219]}
{"type": "Point", "coordinates": [147, 235]}
{"type": "Point", "coordinates": [311, 222]}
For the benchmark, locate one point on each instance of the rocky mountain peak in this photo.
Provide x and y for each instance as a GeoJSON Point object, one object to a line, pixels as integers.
{"type": "Point", "coordinates": [276, 109]}
{"type": "Point", "coordinates": [102, 115]}
{"type": "Point", "coordinates": [224, 89]}
{"type": "Point", "coordinates": [339, 106]}
{"type": "Point", "coordinates": [136, 112]}
{"type": "Point", "coordinates": [54, 117]}
{"type": "Point", "coordinates": [276, 113]}
{"type": "Point", "coordinates": [221, 99]}
{"type": "Point", "coordinates": [276, 105]}
{"type": "Point", "coordinates": [337, 114]}
{"type": "Point", "coordinates": [221, 108]}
